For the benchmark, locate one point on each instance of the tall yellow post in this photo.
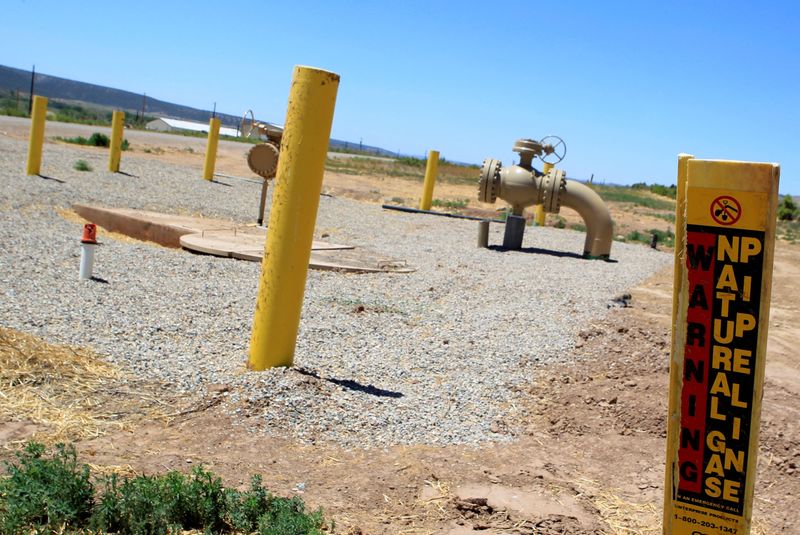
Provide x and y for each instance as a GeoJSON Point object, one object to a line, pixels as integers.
{"type": "Point", "coordinates": [114, 156]}
{"type": "Point", "coordinates": [728, 214]}
{"type": "Point", "coordinates": [431, 170]}
{"type": "Point", "coordinates": [211, 148]}
{"type": "Point", "coordinates": [38, 115]}
{"type": "Point", "coordinates": [540, 215]}
{"type": "Point", "coordinates": [293, 216]}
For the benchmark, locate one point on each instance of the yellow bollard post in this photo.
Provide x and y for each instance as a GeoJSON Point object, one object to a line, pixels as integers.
{"type": "Point", "coordinates": [540, 215]}
{"type": "Point", "coordinates": [38, 116]}
{"type": "Point", "coordinates": [117, 124]}
{"type": "Point", "coordinates": [293, 216]}
{"type": "Point", "coordinates": [211, 149]}
{"type": "Point", "coordinates": [431, 169]}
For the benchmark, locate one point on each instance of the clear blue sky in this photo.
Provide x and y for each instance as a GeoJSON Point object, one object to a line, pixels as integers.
{"type": "Point", "coordinates": [628, 85]}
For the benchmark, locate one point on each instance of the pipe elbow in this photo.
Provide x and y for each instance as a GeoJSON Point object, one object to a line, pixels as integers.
{"type": "Point", "coordinates": [596, 217]}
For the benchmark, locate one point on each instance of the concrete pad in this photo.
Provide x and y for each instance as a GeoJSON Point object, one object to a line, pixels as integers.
{"type": "Point", "coordinates": [229, 240]}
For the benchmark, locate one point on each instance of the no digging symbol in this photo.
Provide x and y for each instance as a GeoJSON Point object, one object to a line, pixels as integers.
{"type": "Point", "coordinates": [726, 210]}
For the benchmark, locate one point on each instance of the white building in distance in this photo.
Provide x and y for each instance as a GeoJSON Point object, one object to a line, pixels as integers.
{"type": "Point", "coordinates": [171, 125]}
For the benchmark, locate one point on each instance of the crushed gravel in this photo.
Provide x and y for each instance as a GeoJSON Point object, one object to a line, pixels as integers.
{"type": "Point", "coordinates": [436, 356]}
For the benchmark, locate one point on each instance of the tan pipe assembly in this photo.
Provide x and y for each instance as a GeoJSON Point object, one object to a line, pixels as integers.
{"type": "Point", "coordinates": [522, 185]}
{"type": "Point", "coordinates": [596, 217]}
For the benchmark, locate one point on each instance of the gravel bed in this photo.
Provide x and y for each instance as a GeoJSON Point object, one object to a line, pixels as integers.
{"type": "Point", "coordinates": [436, 356]}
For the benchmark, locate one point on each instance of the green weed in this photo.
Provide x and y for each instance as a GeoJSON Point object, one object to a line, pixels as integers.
{"type": "Point", "coordinates": [658, 189]}
{"type": "Point", "coordinates": [95, 140]}
{"type": "Point", "coordinates": [787, 210]}
{"type": "Point", "coordinates": [634, 196]}
{"type": "Point", "coordinates": [82, 165]}
{"type": "Point", "coordinates": [450, 204]}
{"type": "Point", "coordinates": [55, 494]}
{"type": "Point", "coordinates": [664, 237]}
{"type": "Point", "coordinates": [45, 491]}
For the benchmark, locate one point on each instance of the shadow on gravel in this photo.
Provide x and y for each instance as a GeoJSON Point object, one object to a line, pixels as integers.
{"type": "Point", "coordinates": [53, 179]}
{"type": "Point", "coordinates": [352, 385]}
{"type": "Point", "coordinates": [126, 174]}
{"type": "Point", "coordinates": [536, 250]}
{"type": "Point", "coordinates": [221, 183]}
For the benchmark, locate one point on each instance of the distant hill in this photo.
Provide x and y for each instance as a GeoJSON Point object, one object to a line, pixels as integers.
{"type": "Point", "coordinates": [53, 87]}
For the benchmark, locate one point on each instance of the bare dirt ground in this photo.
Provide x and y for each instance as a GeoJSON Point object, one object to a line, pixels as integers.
{"type": "Point", "coordinates": [588, 459]}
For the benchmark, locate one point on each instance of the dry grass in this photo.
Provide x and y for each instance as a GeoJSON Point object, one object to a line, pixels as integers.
{"type": "Point", "coordinates": [67, 393]}
{"type": "Point", "coordinates": [624, 517]}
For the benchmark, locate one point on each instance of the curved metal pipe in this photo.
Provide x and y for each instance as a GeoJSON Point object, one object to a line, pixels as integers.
{"type": "Point", "coordinates": [595, 214]}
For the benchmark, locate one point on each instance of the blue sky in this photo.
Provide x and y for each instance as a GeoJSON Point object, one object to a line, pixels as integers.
{"type": "Point", "coordinates": [628, 85]}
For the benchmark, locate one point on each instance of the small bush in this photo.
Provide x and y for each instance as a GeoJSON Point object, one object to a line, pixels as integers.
{"type": "Point", "coordinates": [787, 210]}
{"type": "Point", "coordinates": [125, 145]}
{"type": "Point", "coordinates": [578, 226]}
{"type": "Point", "coordinates": [54, 494]}
{"type": "Point", "coordinates": [45, 491]}
{"type": "Point", "coordinates": [82, 165]}
{"type": "Point", "coordinates": [98, 140]}
{"type": "Point", "coordinates": [560, 222]}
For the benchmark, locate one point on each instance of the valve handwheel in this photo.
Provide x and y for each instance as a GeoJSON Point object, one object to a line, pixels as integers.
{"type": "Point", "coordinates": [557, 149]}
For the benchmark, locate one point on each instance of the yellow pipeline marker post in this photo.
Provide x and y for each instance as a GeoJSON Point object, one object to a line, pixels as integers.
{"type": "Point", "coordinates": [36, 140]}
{"type": "Point", "coordinates": [211, 148]}
{"type": "Point", "coordinates": [726, 226]}
{"type": "Point", "coordinates": [540, 214]}
{"type": "Point", "coordinates": [431, 170]}
{"type": "Point", "coordinates": [293, 216]}
{"type": "Point", "coordinates": [115, 154]}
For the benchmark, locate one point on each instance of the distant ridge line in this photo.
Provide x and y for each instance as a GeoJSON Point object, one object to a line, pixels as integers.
{"type": "Point", "coordinates": [55, 87]}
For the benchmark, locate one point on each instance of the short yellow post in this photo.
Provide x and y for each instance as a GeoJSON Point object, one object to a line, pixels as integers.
{"type": "Point", "coordinates": [211, 148]}
{"type": "Point", "coordinates": [431, 169]}
{"type": "Point", "coordinates": [117, 123]}
{"type": "Point", "coordinates": [293, 216]}
{"type": "Point", "coordinates": [38, 115]}
{"type": "Point", "coordinates": [540, 215]}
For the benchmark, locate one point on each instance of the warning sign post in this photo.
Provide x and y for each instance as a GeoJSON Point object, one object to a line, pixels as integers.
{"type": "Point", "coordinates": [725, 237]}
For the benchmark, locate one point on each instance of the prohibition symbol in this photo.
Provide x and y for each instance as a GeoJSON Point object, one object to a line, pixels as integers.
{"type": "Point", "coordinates": [725, 210]}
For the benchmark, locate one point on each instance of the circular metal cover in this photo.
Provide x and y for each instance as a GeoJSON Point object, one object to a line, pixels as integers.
{"type": "Point", "coordinates": [263, 160]}
{"type": "Point", "coordinates": [527, 146]}
{"type": "Point", "coordinates": [489, 183]}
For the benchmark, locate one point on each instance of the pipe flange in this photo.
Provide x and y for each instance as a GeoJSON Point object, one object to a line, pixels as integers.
{"type": "Point", "coordinates": [554, 183]}
{"type": "Point", "coordinates": [489, 183]}
{"type": "Point", "coordinates": [263, 160]}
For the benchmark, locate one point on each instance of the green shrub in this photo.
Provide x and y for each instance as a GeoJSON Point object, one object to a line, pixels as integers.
{"type": "Point", "coordinates": [453, 205]}
{"type": "Point", "coordinates": [665, 237]}
{"type": "Point", "coordinates": [45, 491]}
{"type": "Point", "coordinates": [98, 140]}
{"type": "Point", "coordinates": [560, 222]}
{"type": "Point", "coordinates": [82, 165]}
{"type": "Point", "coordinates": [787, 210]}
{"type": "Point", "coordinates": [54, 494]}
